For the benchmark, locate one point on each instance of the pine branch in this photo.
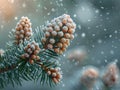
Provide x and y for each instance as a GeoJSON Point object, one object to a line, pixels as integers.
{"type": "Point", "coordinates": [51, 72]}
{"type": "Point", "coordinates": [8, 68]}
{"type": "Point", "coordinates": [33, 55]}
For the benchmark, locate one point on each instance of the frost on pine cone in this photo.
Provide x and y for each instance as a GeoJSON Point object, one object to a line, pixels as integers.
{"type": "Point", "coordinates": [58, 33]}
{"type": "Point", "coordinates": [23, 30]}
{"type": "Point", "coordinates": [56, 74]}
{"type": "Point", "coordinates": [32, 49]}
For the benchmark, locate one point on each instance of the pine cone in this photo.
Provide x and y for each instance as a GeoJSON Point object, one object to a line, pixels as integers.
{"type": "Point", "coordinates": [23, 30]}
{"type": "Point", "coordinates": [58, 33]}
{"type": "Point", "coordinates": [56, 74]}
{"type": "Point", "coordinates": [89, 77]}
{"type": "Point", "coordinates": [111, 75]}
{"type": "Point", "coordinates": [31, 50]}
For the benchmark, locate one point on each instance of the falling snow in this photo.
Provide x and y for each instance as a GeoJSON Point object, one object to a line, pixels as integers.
{"type": "Point", "coordinates": [97, 34]}
{"type": "Point", "coordinates": [24, 5]}
{"type": "Point", "coordinates": [83, 35]}
{"type": "Point", "coordinates": [16, 18]}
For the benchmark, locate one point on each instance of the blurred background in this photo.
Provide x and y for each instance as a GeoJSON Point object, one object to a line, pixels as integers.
{"type": "Point", "coordinates": [97, 36]}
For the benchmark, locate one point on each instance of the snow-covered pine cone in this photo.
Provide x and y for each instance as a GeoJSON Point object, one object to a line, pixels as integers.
{"type": "Point", "coordinates": [23, 30]}
{"type": "Point", "coordinates": [58, 33]}
{"type": "Point", "coordinates": [111, 75]}
{"type": "Point", "coordinates": [89, 77]}
{"type": "Point", "coordinates": [31, 52]}
{"type": "Point", "coordinates": [56, 74]}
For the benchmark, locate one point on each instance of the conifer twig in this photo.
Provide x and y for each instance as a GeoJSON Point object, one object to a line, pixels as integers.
{"type": "Point", "coordinates": [32, 55]}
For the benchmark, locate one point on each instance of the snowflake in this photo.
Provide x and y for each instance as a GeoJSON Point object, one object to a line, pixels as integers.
{"type": "Point", "coordinates": [83, 35]}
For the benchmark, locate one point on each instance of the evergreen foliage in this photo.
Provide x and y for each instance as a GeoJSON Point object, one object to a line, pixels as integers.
{"type": "Point", "coordinates": [16, 65]}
